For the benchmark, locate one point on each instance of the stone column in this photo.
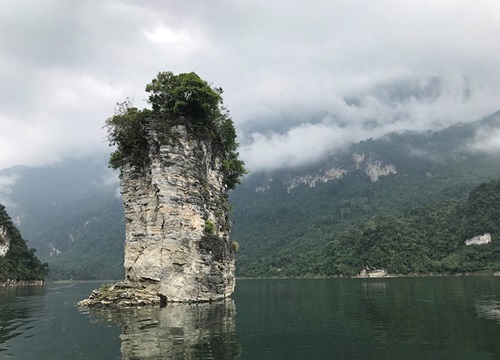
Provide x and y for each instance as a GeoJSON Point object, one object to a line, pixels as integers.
{"type": "Point", "coordinates": [177, 226]}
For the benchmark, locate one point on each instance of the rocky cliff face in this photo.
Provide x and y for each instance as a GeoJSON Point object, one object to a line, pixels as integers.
{"type": "Point", "coordinates": [361, 163]}
{"type": "Point", "coordinates": [4, 241]}
{"type": "Point", "coordinates": [177, 227]}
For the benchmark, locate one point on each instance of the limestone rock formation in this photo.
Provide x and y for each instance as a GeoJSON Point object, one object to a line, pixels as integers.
{"type": "Point", "coordinates": [177, 163]}
{"type": "Point", "coordinates": [177, 226]}
{"type": "Point", "coordinates": [4, 241]}
{"type": "Point", "coordinates": [177, 244]}
{"type": "Point", "coordinates": [479, 240]}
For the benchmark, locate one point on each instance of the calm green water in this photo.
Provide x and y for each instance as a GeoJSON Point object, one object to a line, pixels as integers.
{"type": "Point", "coordinates": [419, 318]}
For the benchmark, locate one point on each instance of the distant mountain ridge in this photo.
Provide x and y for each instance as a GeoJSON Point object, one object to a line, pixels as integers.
{"type": "Point", "coordinates": [287, 222]}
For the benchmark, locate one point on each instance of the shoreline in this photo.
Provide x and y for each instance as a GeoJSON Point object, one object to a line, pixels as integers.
{"type": "Point", "coordinates": [14, 283]}
{"type": "Point", "coordinates": [359, 276]}
{"type": "Point", "coordinates": [377, 276]}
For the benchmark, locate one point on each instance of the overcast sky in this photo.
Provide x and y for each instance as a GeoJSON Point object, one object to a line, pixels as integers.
{"type": "Point", "coordinates": [301, 79]}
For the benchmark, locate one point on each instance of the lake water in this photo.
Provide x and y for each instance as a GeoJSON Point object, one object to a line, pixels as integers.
{"type": "Point", "coordinates": [402, 318]}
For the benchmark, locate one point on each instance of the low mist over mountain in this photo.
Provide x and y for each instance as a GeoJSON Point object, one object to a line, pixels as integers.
{"type": "Point", "coordinates": [290, 221]}
{"type": "Point", "coordinates": [72, 214]}
{"type": "Point", "coordinates": [286, 220]}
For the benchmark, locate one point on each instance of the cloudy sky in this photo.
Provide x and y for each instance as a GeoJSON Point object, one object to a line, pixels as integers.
{"type": "Point", "coordinates": [301, 79]}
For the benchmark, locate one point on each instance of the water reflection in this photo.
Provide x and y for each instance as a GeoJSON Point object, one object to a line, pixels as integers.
{"type": "Point", "coordinates": [488, 308]}
{"type": "Point", "coordinates": [374, 287]}
{"type": "Point", "coordinates": [178, 331]}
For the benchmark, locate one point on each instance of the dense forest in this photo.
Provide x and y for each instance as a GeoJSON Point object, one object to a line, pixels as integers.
{"type": "Point", "coordinates": [430, 239]}
{"type": "Point", "coordinates": [19, 263]}
{"type": "Point", "coordinates": [427, 240]}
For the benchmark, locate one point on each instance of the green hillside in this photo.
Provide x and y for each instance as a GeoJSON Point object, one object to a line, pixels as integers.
{"type": "Point", "coordinates": [427, 240]}
{"type": "Point", "coordinates": [285, 231]}
{"type": "Point", "coordinates": [19, 263]}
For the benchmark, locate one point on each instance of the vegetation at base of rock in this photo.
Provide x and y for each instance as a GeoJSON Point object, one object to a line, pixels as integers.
{"type": "Point", "coordinates": [183, 99]}
{"type": "Point", "coordinates": [19, 263]}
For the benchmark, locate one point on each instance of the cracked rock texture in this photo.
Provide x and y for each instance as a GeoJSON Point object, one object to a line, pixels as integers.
{"type": "Point", "coordinates": [177, 227]}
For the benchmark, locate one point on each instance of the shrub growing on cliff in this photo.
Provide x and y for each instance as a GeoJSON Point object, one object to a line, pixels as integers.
{"type": "Point", "coordinates": [183, 99]}
{"type": "Point", "coordinates": [209, 227]}
{"type": "Point", "coordinates": [126, 132]}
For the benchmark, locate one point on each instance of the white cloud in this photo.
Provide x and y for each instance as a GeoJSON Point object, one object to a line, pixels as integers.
{"type": "Point", "coordinates": [487, 137]}
{"type": "Point", "coordinates": [287, 68]}
{"type": "Point", "coordinates": [487, 141]}
{"type": "Point", "coordinates": [162, 34]}
{"type": "Point", "coordinates": [373, 115]}
{"type": "Point", "coordinates": [7, 181]}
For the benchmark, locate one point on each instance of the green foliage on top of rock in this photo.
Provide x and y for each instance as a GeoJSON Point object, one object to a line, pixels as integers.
{"type": "Point", "coordinates": [185, 96]}
{"type": "Point", "coordinates": [126, 132]}
{"type": "Point", "coordinates": [19, 263]}
{"type": "Point", "coordinates": [183, 99]}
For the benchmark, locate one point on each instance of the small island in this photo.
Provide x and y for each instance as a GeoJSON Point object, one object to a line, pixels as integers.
{"type": "Point", "coordinates": [18, 264]}
{"type": "Point", "coordinates": [177, 161]}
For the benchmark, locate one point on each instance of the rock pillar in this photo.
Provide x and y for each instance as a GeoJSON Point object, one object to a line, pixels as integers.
{"type": "Point", "coordinates": [177, 227]}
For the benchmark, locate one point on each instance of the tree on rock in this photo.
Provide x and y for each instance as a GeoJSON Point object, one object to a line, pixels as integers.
{"type": "Point", "coordinates": [183, 99]}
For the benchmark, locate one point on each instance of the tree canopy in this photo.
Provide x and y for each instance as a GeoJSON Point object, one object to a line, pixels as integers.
{"type": "Point", "coordinates": [183, 99]}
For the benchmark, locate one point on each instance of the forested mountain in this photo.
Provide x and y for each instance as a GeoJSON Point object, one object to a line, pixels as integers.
{"type": "Point", "coordinates": [315, 220]}
{"type": "Point", "coordinates": [288, 223]}
{"type": "Point", "coordinates": [17, 262]}
{"type": "Point", "coordinates": [446, 237]}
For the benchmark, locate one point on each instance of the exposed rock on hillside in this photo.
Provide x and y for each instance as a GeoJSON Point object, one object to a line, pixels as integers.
{"type": "Point", "coordinates": [479, 240]}
{"type": "Point", "coordinates": [361, 163]}
{"type": "Point", "coordinates": [4, 241]}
